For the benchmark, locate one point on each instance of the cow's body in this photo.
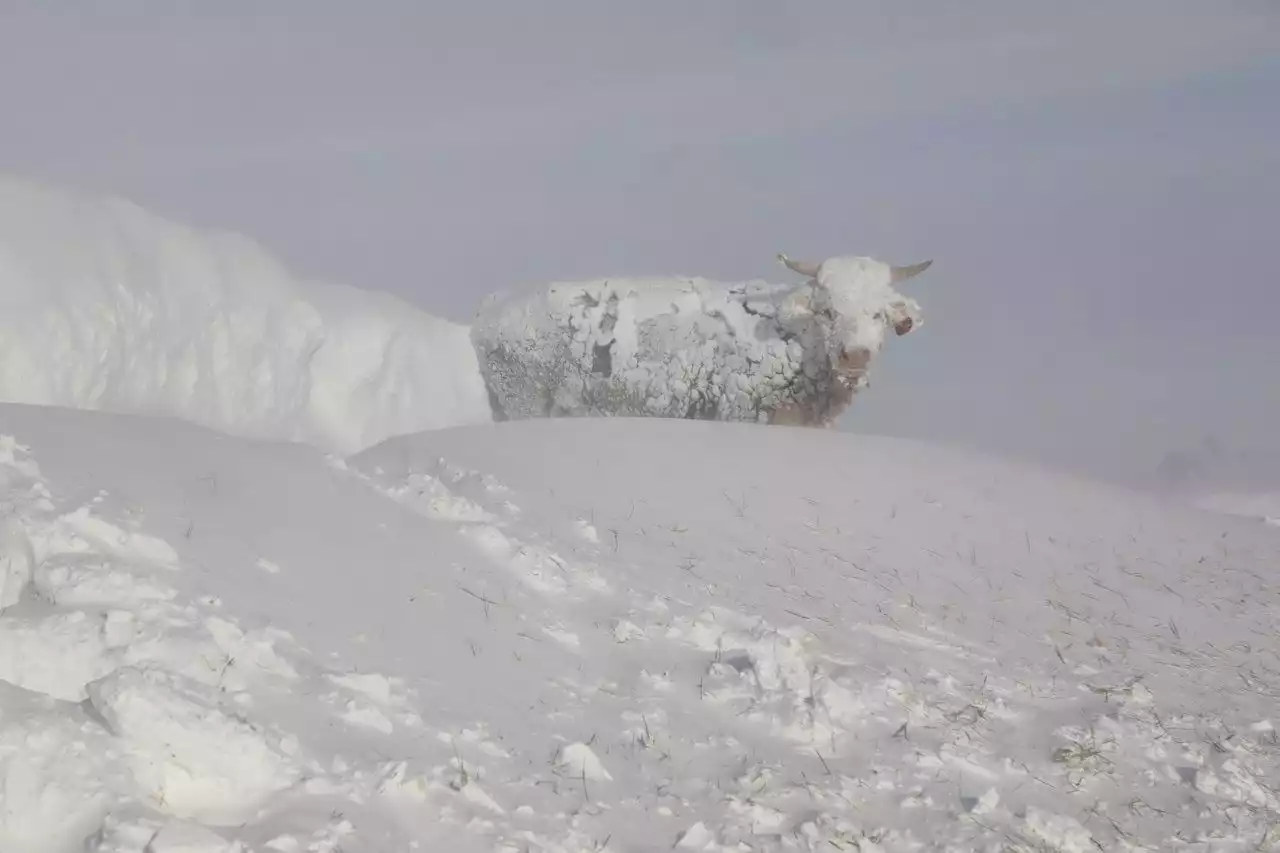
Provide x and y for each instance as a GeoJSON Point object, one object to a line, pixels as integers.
{"type": "Point", "coordinates": [690, 348]}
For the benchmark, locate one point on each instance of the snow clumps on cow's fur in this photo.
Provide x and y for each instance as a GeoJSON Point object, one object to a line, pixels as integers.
{"type": "Point", "coordinates": [693, 348]}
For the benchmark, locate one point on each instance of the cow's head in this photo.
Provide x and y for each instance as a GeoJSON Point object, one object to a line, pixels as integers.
{"type": "Point", "coordinates": [863, 289]}
{"type": "Point", "coordinates": [859, 296]}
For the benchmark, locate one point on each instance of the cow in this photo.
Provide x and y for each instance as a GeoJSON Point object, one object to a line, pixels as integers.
{"type": "Point", "coordinates": [677, 347]}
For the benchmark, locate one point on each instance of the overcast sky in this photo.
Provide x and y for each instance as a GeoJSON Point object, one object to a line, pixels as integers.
{"type": "Point", "coordinates": [1098, 183]}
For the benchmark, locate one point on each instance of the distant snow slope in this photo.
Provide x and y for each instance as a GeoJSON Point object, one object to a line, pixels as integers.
{"type": "Point", "coordinates": [106, 306]}
{"type": "Point", "coordinates": [617, 635]}
{"type": "Point", "coordinates": [1261, 506]}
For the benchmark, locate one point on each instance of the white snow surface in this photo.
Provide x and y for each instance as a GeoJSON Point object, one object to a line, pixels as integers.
{"type": "Point", "coordinates": [688, 347]}
{"type": "Point", "coordinates": [617, 635]}
{"type": "Point", "coordinates": [104, 305]}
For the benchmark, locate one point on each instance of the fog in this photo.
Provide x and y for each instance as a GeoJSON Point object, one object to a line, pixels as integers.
{"type": "Point", "coordinates": [1098, 184]}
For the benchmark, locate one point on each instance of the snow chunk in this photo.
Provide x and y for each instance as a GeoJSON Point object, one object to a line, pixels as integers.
{"type": "Point", "coordinates": [55, 783]}
{"type": "Point", "coordinates": [82, 531]}
{"type": "Point", "coordinates": [987, 803]}
{"type": "Point", "coordinates": [186, 837]}
{"type": "Point", "coordinates": [1057, 832]}
{"type": "Point", "coordinates": [379, 688]}
{"type": "Point", "coordinates": [191, 756]}
{"type": "Point", "coordinates": [256, 648]}
{"type": "Point", "coordinates": [131, 834]}
{"type": "Point", "coordinates": [577, 759]}
{"type": "Point", "coordinates": [85, 581]}
{"type": "Point", "coordinates": [366, 716]}
{"type": "Point", "coordinates": [16, 561]}
{"type": "Point", "coordinates": [696, 837]}
{"type": "Point", "coordinates": [57, 655]}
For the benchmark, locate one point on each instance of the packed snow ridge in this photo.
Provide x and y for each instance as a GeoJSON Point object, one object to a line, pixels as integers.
{"type": "Point", "coordinates": [105, 306]}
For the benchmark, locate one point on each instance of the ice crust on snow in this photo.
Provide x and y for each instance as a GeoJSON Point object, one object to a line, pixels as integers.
{"type": "Point", "coordinates": [690, 347]}
{"type": "Point", "coordinates": [106, 306]}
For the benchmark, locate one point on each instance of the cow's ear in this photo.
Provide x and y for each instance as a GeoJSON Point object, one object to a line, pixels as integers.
{"type": "Point", "coordinates": [901, 274]}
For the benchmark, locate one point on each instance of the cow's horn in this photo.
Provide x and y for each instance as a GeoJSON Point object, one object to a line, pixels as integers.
{"type": "Point", "coordinates": [899, 274]}
{"type": "Point", "coordinates": [802, 267]}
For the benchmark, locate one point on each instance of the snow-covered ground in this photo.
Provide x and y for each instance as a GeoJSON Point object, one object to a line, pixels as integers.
{"type": "Point", "coordinates": [622, 635]}
{"type": "Point", "coordinates": [104, 305]}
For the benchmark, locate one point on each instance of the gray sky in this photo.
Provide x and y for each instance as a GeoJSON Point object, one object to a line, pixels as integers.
{"type": "Point", "coordinates": [1098, 183]}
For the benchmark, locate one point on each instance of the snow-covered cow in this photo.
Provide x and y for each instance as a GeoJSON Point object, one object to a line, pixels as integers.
{"type": "Point", "coordinates": [693, 348]}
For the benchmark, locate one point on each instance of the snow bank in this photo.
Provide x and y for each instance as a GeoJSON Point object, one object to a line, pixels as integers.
{"type": "Point", "coordinates": [106, 306]}
{"type": "Point", "coordinates": [692, 348]}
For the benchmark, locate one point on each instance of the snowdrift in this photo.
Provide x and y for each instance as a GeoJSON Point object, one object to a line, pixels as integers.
{"type": "Point", "coordinates": [106, 306]}
{"type": "Point", "coordinates": [694, 348]}
{"type": "Point", "coordinates": [617, 635]}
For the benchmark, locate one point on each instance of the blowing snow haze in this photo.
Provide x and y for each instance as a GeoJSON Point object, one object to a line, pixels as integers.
{"type": "Point", "coordinates": [1098, 184]}
{"type": "Point", "coordinates": [273, 578]}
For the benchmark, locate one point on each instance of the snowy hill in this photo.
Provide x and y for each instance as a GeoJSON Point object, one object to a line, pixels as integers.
{"type": "Point", "coordinates": [617, 635]}
{"type": "Point", "coordinates": [106, 306]}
